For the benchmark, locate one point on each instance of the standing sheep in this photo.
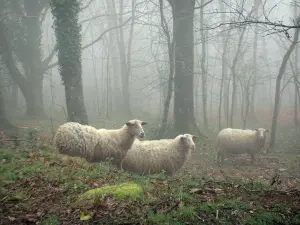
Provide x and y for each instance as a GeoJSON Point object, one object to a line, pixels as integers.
{"type": "Point", "coordinates": [237, 141]}
{"type": "Point", "coordinates": [150, 157]}
{"type": "Point", "coordinates": [94, 145]}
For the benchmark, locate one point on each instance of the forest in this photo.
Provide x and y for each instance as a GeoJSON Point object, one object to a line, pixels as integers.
{"type": "Point", "coordinates": [191, 72]}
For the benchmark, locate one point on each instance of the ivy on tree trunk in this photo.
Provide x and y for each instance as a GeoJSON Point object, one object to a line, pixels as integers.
{"type": "Point", "coordinates": [68, 39]}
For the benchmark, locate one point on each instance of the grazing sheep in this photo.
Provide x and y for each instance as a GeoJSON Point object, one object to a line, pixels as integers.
{"type": "Point", "coordinates": [237, 141]}
{"type": "Point", "coordinates": [94, 145]}
{"type": "Point", "coordinates": [150, 157]}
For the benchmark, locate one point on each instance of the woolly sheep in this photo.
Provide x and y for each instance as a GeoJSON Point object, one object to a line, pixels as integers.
{"type": "Point", "coordinates": [94, 145]}
{"type": "Point", "coordinates": [237, 141]}
{"type": "Point", "coordinates": [150, 157]}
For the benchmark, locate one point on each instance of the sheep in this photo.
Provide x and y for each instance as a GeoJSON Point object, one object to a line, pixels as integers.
{"type": "Point", "coordinates": [237, 141]}
{"type": "Point", "coordinates": [96, 145]}
{"type": "Point", "coordinates": [151, 157]}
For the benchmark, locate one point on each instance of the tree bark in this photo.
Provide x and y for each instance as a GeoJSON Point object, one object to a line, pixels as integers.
{"type": "Point", "coordinates": [278, 84]}
{"type": "Point", "coordinates": [171, 71]}
{"type": "Point", "coordinates": [116, 69]}
{"type": "Point", "coordinates": [252, 102]}
{"type": "Point", "coordinates": [125, 71]}
{"type": "Point", "coordinates": [4, 122]}
{"type": "Point", "coordinates": [234, 76]}
{"type": "Point", "coordinates": [183, 33]}
{"type": "Point", "coordinates": [30, 42]}
{"type": "Point", "coordinates": [224, 89]}
{"type": "Point", "coordinates": [203, 69]}
{"type": "Point", "coordinates": [68, 38]}
{"type": "Point", "coordinates": [14, 96]}
{"type": "Point", "coordinates": [296, 79]}
{"type": "Point", "coordinates": [225, 95]}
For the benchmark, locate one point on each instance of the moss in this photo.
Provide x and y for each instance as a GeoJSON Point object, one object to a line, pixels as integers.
{"type": "Point", "coordinates": [122, 191]}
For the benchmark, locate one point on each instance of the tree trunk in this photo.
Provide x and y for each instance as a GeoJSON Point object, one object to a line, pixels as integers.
{"type": "Point", "coordinates": [278, 84]}
{"type": "Point", "coordinates": [116, 70]}
{"type": "Point", "coordinates": [296, 88]}
{"type": "Point", "coordinates": [203, 59]}
{"type": "Point", "coordinates": [224, 89]}
{"type": "Point", "coordinates": [252, 103]}
{"type": "Point", "coordinates": [234, 76]}
{"type": "Point", "coordinates": [31, 83]}
{"type": "Point", "coordinates": [124, 65]}
{"type": "Point", "coordinates": [68, 38]}
{"type": "Point", "coordinates": [35, 101]}
{"type": "Point", "coordinates": [4, 122]}
{"type": "Point", "coordinates": [171, 71]}
{"type": "Point", "coordinates": [183, 33]}
{"type": "Point", "coordinates": [296, 78]}
{"type": "Point", "coordinates": [14, 96]}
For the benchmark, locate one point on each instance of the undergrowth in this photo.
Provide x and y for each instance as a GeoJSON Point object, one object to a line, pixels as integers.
{"type": "Point", "coordinates": [41, 186]}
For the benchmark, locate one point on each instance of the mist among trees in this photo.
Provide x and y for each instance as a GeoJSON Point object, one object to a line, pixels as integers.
{"type": "Point", "coordinates": [184, 66]}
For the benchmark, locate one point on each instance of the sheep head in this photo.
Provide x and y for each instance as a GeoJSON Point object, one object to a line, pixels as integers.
{"type": "Point", "coordinates": [261, 134]}
{"type": "Point", "coordinates": [135, 127]}
{"type": "Point", "coordinates": [188, 140]}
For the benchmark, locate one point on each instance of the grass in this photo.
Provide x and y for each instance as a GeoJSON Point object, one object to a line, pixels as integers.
{"type": "Point", "coordinates": [41, 186]}
{"type": "Point", "coordinates": [38, 185]}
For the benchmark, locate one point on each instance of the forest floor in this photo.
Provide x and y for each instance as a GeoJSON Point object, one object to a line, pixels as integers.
{"type": "Point", "coordinates": [39, 186]}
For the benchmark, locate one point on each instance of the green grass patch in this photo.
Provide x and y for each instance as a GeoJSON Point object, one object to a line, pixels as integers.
{"type": "Point", "coordinates": [265, 218]}
{"type": "Point", "coordinates": [51, 220]}
{"type": "Point", "coordinates": [44, 180]}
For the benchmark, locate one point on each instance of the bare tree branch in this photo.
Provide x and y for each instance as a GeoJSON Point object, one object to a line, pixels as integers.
{"type": "Point", "coordinates": [93, 42]}
{"type": "Point", "coordinates": [205, 4]}
{"type": "Point", "coordinates": [87, 5]}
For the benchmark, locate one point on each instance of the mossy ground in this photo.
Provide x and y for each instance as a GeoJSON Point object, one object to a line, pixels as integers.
{"type": "Point", "coordinates": [41, 186]}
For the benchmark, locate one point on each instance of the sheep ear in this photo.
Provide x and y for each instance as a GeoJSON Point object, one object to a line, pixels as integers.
{"type": "Point", "coordinates": [144, 123]}
{"type": "Point", "coordinates": [129, 124]}
{"type": "Point", "coordinates": [267, 130]}
{"type": "Point", "coordinates": [256, 129]}
{"type": "Point", "coordinates": [194, 137]}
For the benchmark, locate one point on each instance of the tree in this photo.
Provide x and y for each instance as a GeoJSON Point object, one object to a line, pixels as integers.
{"type": "Point", "coordinates": [23, 19]}
{"type": "Point", "coordinates": [170, 43]}
{"type": "Point", "coordinates": [125, 59]}
{"type": "Point", "coordinates": [68, 39]}
{"type": "Point", "coordinates": [4, 122]}
{"type": "Point", "coordinates": [252, 103]}
{"type": "Point", "coordinates": [224, 84]}
{"type": "Point", "coordinates": [278, 85]}
{"type": "Point", "coordinates": [203, 69]}
{"type": "Point", "coordinates": [183, 33]}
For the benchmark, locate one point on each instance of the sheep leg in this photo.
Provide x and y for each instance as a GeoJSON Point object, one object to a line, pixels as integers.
{"type": "Point", "coordinates": [222, 159]}
{"type": "Point", "coordinates": [252, 158]}
{"type": "Point", "coordinates": [220, 154]}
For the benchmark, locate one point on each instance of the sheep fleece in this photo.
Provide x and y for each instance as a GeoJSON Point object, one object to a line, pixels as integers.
{"type": "Point", "coordinates": [74, 139]}
{"type": "Point", "coordinates": [238, 141]}
{"type": "Point", "coordinates": [150, 157]}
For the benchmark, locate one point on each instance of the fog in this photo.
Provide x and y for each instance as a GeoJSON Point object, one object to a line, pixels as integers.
{"type": "Point", "coordinates": [149, 57]}
{"type": "Point", "coordinates": [180, 67]}
{"type": "Point", "coordinates": [130, 37]}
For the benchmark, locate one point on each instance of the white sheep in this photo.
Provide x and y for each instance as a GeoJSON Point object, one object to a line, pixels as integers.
{"type": "Point", "coordinates": [237, 141]}
{"type": "Point", "coordinates": [94, 145]}
{"type": "Point", "coordinates": [151, 157]}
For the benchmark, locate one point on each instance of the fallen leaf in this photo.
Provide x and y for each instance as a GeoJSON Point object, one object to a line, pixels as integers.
{"type": "Point", "coordinates": [195, 190]}
{"type": "Point", "coordinates": [85, 215]}
{"type": "Point", "coordinates": [11, 218]}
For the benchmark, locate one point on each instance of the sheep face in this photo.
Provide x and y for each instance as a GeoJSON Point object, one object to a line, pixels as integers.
{"type": "Point", "coordinates": [188, 141]}
{"type": "Point", "coordinates": [135, 128]}
{"type": "Point", "coordinates": [261, 134]}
